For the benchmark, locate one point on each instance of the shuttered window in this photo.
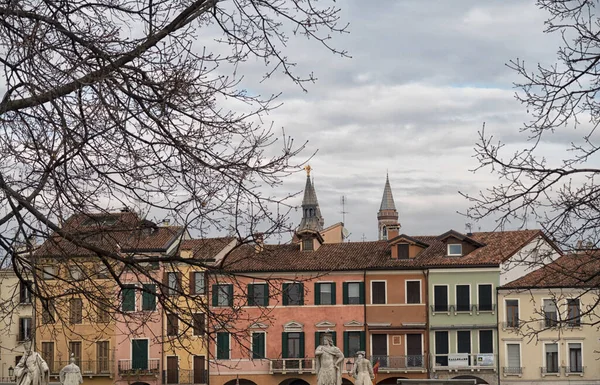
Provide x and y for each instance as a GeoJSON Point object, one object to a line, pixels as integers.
{"type": "Point", "coordinates": [402, 251]}
{"type": "Point", "coordinates": [149, 297]}
{"type": "Point", "coordinates": [485, 297]}
{"type": "Point", "coordinates": [486, 341]}
{"type": "Point", "coordinates": [76, 310]}
{"type": "Point", "coordinates": [413, 291]}
{"type": "Point", "coordinates": [353, 293]}
{"type": "Point", "coordinates": [48, 355]}
{"type": "Point", "coordinates": [463, 298]}
{"type": "Point", "coordinates": [172, 325]}
{"type": "Point", "coordinates": [258, 345]}
{"type": "Point", "coordinates": [378, 292]}
{"type": "Point", "coordinates": [324, 293]}
{"type": "Point", "coordinates": [258, 294]}
{"type": "Point", "coordinates": [199, 324]}
{"type": "Point", "coordinates": [514, 355]}
{"type": "Point", "coordinates": [128, 298]}
{"type": "Point", "coordinates": [292, 345]}
{"type": "Point", "coordinates": [222, 346]}
{"type": "Point", "coordinates": [441, 348]}
{"type": "Point", "coordinates": [293, 294]}
{"type": "Point", "coordinates": [222, 295]}
{"type": "Point", "coordinates": [440, 298]}
{"type": "Point", "coordinates": [354, 342]}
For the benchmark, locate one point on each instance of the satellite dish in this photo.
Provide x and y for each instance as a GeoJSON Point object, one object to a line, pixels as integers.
{"type": "Point", "coordinates": [345, 232]}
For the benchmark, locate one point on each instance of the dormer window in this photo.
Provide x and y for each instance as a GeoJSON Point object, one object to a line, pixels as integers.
{"type": "Point", "coordinates": [455, 250]}
{"type": "Point", "coordinates": [402, 251]}
{"type": "Point", "coordinates": [307, 244]}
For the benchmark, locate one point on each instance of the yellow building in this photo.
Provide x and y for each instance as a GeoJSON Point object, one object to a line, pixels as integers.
{"type": "Point", "coordinates": [16, 315]}
{"type": "Point", "coordinates": [547, 331]}
{"type": "Point", "coordinates": [185, 342]}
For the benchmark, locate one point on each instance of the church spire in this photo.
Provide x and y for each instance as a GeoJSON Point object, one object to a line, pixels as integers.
{"type": "Point", "coordinates": [311, 213]}
{"type": "Point", "coordinates": [387, 215]}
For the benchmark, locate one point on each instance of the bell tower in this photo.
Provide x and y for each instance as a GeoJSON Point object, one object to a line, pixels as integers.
{"type": "Point", "coordinates": [387, 214]}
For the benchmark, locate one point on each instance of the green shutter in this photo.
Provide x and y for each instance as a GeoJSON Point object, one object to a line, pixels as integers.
{"type": "Point", "coordinates": [317, 339]}
{"type": "Point", "coordinates": [301, 295]}
{"type": "Point", "coordinates": [361, 293]}
{"type": "Point", "coordinates": [258, 345]}
{"type": "Point", "coordinates": [251, 301]}
{"type": "Point", "coordinates": [334, 338]}
{"type": "Point", "coordinates": [345, 292]}
{"type": "Point", "coordinates": [139, 354]}
{"type": "Point", "coordinates": [317, 293]}
{"type": "Point", "coordinates": [128, 294]}
{"type": "Point", "coordinates": [266, 298]}
{"type": "Point", "coordinates": [285, 293]}
{"type": "Point", "coordinates": [215, 295]}
{"type": "Point", "coordinates": [346, 343]}
{"type": "Point", "coordinates": [230, 295]}
{"type": "Point", "coordinates": [284, 343]}
{"type": "Point", "coordinates": [149, 297]}
{"type": "Point", "coordinates": [363, 341]}
{"type": "Point", "coordinates": [333, 293]}
{"type": "Point", "coordinates": [223, 346]}
{"type": "Point", "coordinates": [301, 344]}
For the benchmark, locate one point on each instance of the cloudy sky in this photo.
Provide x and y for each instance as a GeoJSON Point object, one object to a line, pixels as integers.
{"type": "Point", "coordinates": [423, 78]}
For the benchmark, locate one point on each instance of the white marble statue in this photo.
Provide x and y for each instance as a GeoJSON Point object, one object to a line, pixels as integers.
{"type": "Point", "coordinates": [32, 370]}
{"type": "Point", "coordinates": [362, 370]}
{"type": "Point", "coordinates": [329, 361]}
{"type": "Point", "coordinates": [71, 374]}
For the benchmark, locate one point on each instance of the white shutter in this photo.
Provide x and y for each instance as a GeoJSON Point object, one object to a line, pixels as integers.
{"type": "Point", "coordinates": [514, 355]}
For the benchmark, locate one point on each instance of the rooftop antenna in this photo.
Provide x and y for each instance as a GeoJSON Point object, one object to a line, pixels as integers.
{"type": "Point", "coordinates": [469, 228]}
{"type": "Point", "coordinates": [364, 238]}
{"type": "Point", "coordinates": [343, 201]}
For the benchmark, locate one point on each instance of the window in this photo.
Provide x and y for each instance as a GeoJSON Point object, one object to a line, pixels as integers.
{"type": "Point", "coordinates": [353, 342]}
{"type": "Point", "coordinates": [172, 325]}
{"type": "Point", "coordinates": [293, 294]}
{"type": "Point", "coordinates": [463, 298]}
{"type": "Point", "coordinates": [402, 250]}
{"type": "Point", "coordinates": [24, 292]}
{"type": "Point", "coordinates": [575, 362]}
{"type": "Point", "coordinates": [440, 298]}
{"type": "Point", "coordinates": [102, 354]}
{"type": "Point", "coordinates": [413, 291]}
{"type": "Point", "coordinates": [550, 313]}
{"type": "Point", "coordinates": [377, 292]}
{"type": "Point", "coordinates": [76, 273]}
{"type": "Point", "coordinates": [574, 312]}
{"type": "Point", "coordinates": [512, 313]}
{"type": "Point", "coordinates": [49, 272]}
{"type": "Point", "coordinates": [463, 343]}
{"type": "Point", "coordinates": [258, 294]}
{"type": "Point", "coordinates": [24, 329]}
{"type": "Point", "coordinates": [128, 298]}
{"type": "Point", "coordinates": [324, 293]}
{"type": "Point", "coordinates": [551, 358]}
{"type": "Point", "coordinates": [454, 249]}
{"type": "Point", "coordinates": [414, 351]}
{"type": "Point", "coordinates": [441, 348]}
{"type": "Point", "coordinates": [102, 313]}
{"type": "Point", "coordinates": [320, 337]}
{"type": "Point", "coordinates": [199, 324]}
{"type": "Point", "coordinates": [48, 354]}
{"type": "Point", "coordinates": [354, 293]}
{"type": "Point", "coordinates": [486, 341]}
{"type": "Point", "coordinates": [513, 352]}
{"type": "Point", "coordinates": [76, 310]}
{"type": "Point", "coordinates": [292, 345]}
{"type": "Point", "coordinates": [75, 349]}
{"type": "Point", "coordinates": [149, 297]}
{"type": "Point", "coordinates": [258, 345]}
{"type": "Point", "coordinates": [485, 297]}
{"type": "Point", "coordinates": [48, 312]}
{"type": "Point", "coordinates": [307, 245]}
{"type": "Point", "coordinates": [139, 354]}
{"type": "Point", "coordinates": [173, 283]}
{"type": "Point", "coordinates": [222, 346]}
{"type": "Point", "coordinates": [222, 295]}
{"type": "Point", "coordinates": [198, 282]}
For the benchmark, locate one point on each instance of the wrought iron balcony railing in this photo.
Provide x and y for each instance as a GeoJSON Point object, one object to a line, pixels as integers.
{"type": "Point", "coordinates": [185, 377]}
{"type": "Point", "coordinates": [139, 367]}
{"type": "Point", "coordinates": [399, 363]}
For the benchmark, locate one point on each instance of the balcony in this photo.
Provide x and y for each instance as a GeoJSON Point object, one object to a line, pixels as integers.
{"type": "Point", "coordinates": [550, 370]}
{"type": "Point", "coordinates": [137, 367]}
{"type": "Point", "coordinates": [512, 371]}
{"type": "Point", "coordinates": [292, 365]}
{"type": "Point", "coordinates": [510, 325]}
{"type": "Point", "coordinates": [185, 377]}
{"type": "Point", "coordinates": [573, 370]}
{"type": "Point", "coordinates": [97, 368]}
{"type": "Point", "coordinates": [463, 309]}
{"type": "Point", "coordinates": [475, 362]}
{"type": "Point", "coordinates": [402, 364]}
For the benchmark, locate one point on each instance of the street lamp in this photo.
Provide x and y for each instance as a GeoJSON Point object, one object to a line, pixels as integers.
{"type": "Point", "coordinates": [11, 372]}
{"type": "Point", "coordinates": [349, 365]}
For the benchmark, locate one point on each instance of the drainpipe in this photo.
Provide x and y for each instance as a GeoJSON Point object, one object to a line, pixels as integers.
{"type": "Point", "coordinates": [498, 336]}
{"type": "Point", "coordinates": [427, 324]}
{"type": "Point", "coordinates": [365, 327]}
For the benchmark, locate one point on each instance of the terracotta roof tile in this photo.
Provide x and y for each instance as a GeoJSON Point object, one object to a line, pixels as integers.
{"type": "Point", "coordinates": [206, 248]}
{"type": "Point", "coordinates": [115, 232]}
{"type": "Point", "coordinates": [573, 270]}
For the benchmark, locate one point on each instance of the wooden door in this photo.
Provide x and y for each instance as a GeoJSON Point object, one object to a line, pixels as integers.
{"type": "Point", "coordinates": [414, 350]}
{"type": "Point", "coordinates": [172, 370]}
{"type": "Point", "coordinates": [379, 349]}
{"type": "Point", "coordinates": [199, 370]}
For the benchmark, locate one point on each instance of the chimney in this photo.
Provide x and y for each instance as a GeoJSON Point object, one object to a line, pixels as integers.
{"type": "Point", "coordinates": [259, 242]}
{"type": "Point", "coordinates": [393, 231]}
{"type": "Point", "coordinates": [166, 222]}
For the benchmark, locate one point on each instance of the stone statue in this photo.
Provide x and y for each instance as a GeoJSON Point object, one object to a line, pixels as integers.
{"type": "Point", "coordinates": [32, 370]}
{"type": "Point", "coordinates": [329, 361]}
{"type": "Point", "coordinates": [71, 374]}
{"type": "Point", "coordinates": [362, 370]}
